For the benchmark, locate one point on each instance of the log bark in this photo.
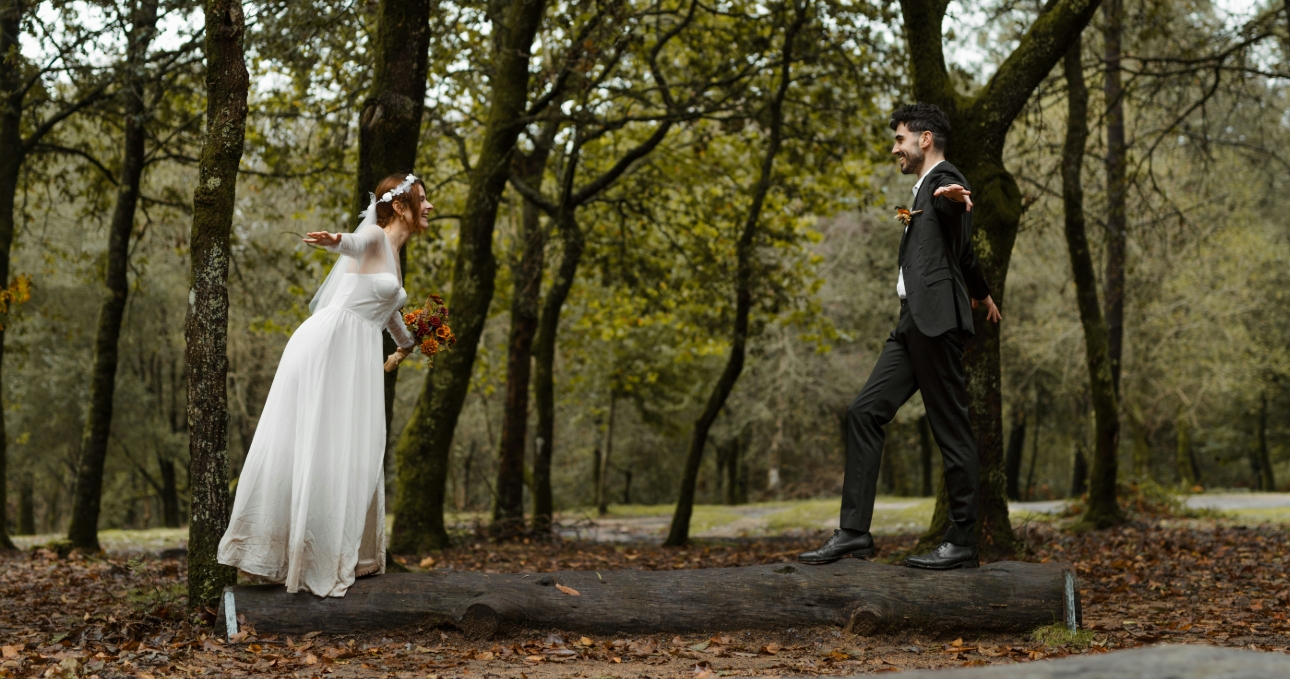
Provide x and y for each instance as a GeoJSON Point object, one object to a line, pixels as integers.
{"type": "Point", "coordinates": [861, 596]}
{"type": "Point", "coordinates": [206, 325]}
{"type": "Point", "coordinates": [83, 531]}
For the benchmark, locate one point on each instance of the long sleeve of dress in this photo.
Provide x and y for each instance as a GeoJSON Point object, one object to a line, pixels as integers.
{"type": "Point", "coordinates": [399, 331]}
{"type": "Point", "coordinates": [359, 243]}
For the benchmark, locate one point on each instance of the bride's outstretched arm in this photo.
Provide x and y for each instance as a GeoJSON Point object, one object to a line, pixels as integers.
{"type": "Point", "coordinates": [350, 244]}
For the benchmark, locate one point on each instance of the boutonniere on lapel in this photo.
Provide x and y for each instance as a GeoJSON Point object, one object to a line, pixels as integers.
{"type": "Point", "coordinates": [903, 214]}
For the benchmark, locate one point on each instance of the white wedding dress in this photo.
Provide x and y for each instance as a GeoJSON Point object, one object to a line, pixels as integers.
{"type": "Point", "coordinates": [310, 504]}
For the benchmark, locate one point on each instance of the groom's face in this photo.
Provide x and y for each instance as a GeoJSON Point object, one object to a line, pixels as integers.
{"type": "Point", "coordinates": [908, 149]}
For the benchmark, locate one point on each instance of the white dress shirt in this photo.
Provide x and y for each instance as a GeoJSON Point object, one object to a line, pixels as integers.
{"type": "Point", "coordinates": [900, 272]}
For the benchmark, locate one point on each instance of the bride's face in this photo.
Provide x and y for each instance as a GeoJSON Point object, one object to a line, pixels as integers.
{"type": "Point", "coordinates": [419, 220]}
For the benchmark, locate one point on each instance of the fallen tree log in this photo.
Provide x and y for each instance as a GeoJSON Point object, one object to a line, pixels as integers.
{"type": "Point", "coordinates": [1157, 662]}
{"type": "Point", "coordinates": [862, 596]}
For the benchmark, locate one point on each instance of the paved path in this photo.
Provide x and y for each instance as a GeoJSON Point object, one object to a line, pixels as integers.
{"type": "Point", "coordinates": [1220, 501]}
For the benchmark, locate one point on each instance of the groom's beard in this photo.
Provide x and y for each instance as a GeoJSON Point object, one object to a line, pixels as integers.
{"type": "Point", "coordinates": [913, 162]}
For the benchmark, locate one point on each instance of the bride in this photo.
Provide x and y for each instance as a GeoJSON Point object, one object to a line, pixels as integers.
{"type": "Point", "coordinates": [310, 505]}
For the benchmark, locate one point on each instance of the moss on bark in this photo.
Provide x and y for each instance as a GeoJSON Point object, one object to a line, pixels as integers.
{"type": "Point", "coordinates": [422, 449]}
{"type": "Point", "coordinates": [980, 126]}
{"type": "Point", "coordinates": [206, 326]}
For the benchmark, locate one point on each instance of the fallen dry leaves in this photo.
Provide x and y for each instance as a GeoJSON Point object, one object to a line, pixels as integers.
{"type": "Point", "coordinates": [1180, 581]}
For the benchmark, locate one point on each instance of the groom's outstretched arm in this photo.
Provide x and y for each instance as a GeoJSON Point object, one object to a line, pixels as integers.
{"type": "Point", "coordinates": [952, 200]}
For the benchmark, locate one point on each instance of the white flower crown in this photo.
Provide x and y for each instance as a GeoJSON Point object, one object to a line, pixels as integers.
{"type": "Point", "coordinates": [401, 188]}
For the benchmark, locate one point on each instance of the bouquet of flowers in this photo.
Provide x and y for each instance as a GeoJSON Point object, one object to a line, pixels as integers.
{"type": "Point", "coordinates": [429, 325]}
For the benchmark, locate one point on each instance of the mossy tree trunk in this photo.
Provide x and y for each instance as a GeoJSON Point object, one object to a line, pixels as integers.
{"type": "Point", "coordinates": [1103, 510]}
{"type": "Point", "coordinates": [83, 530]}
{"type": "Point", "coordinates": [508, 513]}
{"type": "Point", "coordinates": [390, 124]}
{"type": "Point", "coordinates": [422, 451]}
{"type": "Point", "coordinates": [206, 327]}
{"type": "Point", "coordinates": [679, 532]}
{"type": "Point", "coordinates": [980, 127]}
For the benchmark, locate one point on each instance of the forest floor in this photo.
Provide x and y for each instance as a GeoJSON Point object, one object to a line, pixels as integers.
{"type": "Point", "coordinates": [1158, 580]}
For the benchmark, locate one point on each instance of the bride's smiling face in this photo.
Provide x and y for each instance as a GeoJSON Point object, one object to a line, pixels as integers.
{"type": "Point", "coordinates": [420, 219]}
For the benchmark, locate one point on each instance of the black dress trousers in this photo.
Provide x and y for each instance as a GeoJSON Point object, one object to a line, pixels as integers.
{"type": "Point", "coordinates": [912, 361]}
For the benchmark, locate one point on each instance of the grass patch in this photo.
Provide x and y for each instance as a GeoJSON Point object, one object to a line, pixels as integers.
{"type": "Point", "coordinates": [802, 515]}
{"type": "Point", "coordinates": [1058, 634]}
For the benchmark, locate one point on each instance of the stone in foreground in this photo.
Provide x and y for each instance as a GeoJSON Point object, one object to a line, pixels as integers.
{"type": "Point", "coordinates": [1157, 662]}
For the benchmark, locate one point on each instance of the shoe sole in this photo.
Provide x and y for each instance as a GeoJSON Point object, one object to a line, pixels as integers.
{"type": "Point", "coordinates": [963, 564]}
{"type": "Point", "coordinates": [858, 554]}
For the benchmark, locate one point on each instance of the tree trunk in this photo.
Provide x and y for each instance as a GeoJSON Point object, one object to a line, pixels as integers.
{"type": "Point", "coordinates": [1103, 509]}
{"type": "Point", "coordinates": [679, 532]}
{"type": "Point", "coordinates": [544, 359]}
{"type": "Point", "coordinates": [206, 327]}
{"type": "Point", "coordinates": [1079, 471]}
{"type": "Point", "coordinates": [862, 596]}
{"type": "Point", "coordinates": [925, 454]}
{"type": "Point", "coordinates": [980, 129]}
{"type": "Point", "coordinates": [422, 451]}
{"type": "Point", "coordinates": [525, 306]}
{"type": "Point", "coordinates": [602, 483]}
{"type": "Point", "coordinates": [26, 506]}
{"type": "Point", "coordinates": [390, 124]}
{"type": "Point", "coordinates": [83, 530]}
{"type": "Point", "coordinates": [169, 492]}
{"type": "Point", "coordinates": [1182, 458]}
{"type": "Point", "coordinates": [12, 153]}
{"type": "Point", "coordinates": [1034, 445]}
{"type": "Point", "coordinates": [1267, 480]}
{"type": "Point", "coordinates": [1116, 186]}
{"type": "Point", "coordinates": [1016, 447]}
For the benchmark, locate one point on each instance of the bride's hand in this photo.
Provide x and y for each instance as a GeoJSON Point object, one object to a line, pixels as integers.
{"type": "Point", "coordinates": [322, 238]}
{"type": "Point", "coordinates": [396, 358]}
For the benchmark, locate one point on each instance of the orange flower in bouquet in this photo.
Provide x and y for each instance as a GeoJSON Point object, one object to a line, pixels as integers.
{"type": "Point", "coordinates": [429, 324]}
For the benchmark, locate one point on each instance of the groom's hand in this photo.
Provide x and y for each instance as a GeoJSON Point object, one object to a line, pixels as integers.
{"type": "Point", "coordinates": [956, 193]}
{"type": "Point", "coordinates": [991, 311]}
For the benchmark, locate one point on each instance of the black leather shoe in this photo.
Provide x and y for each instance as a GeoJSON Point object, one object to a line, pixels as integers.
{"type": "Point", "coordinates": [946, 557]}
{"type": "Point", "coordinates": [845, 542]}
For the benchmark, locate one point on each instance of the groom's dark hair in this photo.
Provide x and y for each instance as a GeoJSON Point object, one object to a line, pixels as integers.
{"type": "Point", "coordinates": [921, 118]}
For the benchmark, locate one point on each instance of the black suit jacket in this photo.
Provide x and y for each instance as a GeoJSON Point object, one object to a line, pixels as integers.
{"type": "Point", "coordinates": [937, 258]}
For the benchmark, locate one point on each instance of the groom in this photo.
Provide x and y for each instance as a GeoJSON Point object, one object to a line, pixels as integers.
{"type": "Point", "coordinates": [938, 273]}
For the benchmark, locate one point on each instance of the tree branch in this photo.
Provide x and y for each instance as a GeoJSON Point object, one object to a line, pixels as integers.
{"type": "Point", "coordinates": [1047, 41]}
